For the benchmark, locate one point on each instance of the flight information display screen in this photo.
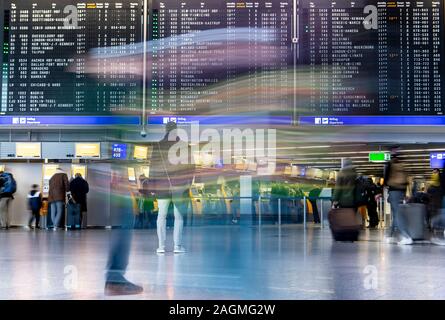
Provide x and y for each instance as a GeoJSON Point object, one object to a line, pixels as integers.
{"type": "Point", "coordinates": [221, 56]}
{"type": "Point", "coordinates": [45, 57]}
{"type": "Point", "coordinates": [371, 57]}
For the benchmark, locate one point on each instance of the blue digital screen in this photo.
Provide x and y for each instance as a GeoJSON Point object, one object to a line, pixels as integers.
{"type": "Point", "coordinates": [119, 151]}
{"type": "Point", "coordinates": [437, 160]}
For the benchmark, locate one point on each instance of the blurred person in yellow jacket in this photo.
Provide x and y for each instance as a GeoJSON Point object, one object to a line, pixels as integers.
{"type": "Point", "coordinates": [434, 193]}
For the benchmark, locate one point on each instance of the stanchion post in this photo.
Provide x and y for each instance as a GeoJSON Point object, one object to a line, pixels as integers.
{"type": "Point", "coordinates": [259, 210]}
{"type": "Point", "coordinates": [304, 211]}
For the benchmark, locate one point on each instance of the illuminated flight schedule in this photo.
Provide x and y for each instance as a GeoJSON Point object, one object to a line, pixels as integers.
{"type": "Point", "coordinates": [45, 56]}
{"type": "Point", "coordinates": [371, 57]}
{"type": "Point", "coordinates": [221, 56]}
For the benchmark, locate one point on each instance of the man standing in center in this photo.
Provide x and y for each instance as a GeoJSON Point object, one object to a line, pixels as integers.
{"type": "Point", "coordinates": [170, 183]}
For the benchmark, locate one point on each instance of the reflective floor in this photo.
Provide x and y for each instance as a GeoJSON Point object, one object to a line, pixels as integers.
{"type": "Point", "coordinates": [223, 262]}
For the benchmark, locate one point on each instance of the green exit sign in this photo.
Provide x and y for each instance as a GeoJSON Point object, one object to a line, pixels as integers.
{"type": "Point", "coordinates": [379, 157]}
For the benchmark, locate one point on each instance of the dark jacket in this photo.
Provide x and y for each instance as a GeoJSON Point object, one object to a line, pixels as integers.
{"type": "Point", "coordinates": [161, 169]}
{"type": "Point", "coordinates": [79, 189]}
{"type": "Point", "coordinates": [34, 200]}
{"type": "Point", "coordinates": [58, 187]}
{"type": "Point", "coordinates": [396, 178]}
{"type": "Point", "coordinates": [344, 191]}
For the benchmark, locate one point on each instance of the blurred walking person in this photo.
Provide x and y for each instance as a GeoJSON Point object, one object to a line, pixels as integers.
{"type": "Point", "coordinates": [343, 219]}
{"type": "Point", "coordinates": [120, 244]}
{"type": "Point", "coordinates": [372, 193]}
{"type": "Point", "coordinates": [396, 180]}
{"type": "Point", "coordinates": [345, 187]}
{"type": "Point", "coordinates": [58, 188]}
{"type": "Point", "coordinates": [435, 194]}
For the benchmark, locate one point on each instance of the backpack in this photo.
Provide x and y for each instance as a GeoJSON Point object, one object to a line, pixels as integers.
{"type": "Point", "coordinates": [361, 194]}
{"type": "Point", "coordinates": [9, 183]}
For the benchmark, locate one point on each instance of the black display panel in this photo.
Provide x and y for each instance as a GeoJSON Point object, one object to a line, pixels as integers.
{"type": "Point", "coordinates": [45, 57]}
{"type": "Point", "coordinates": [215, 57]}
{"type": "Point", "coordinates": [355, 63]}
{"type": "Point", "coordinates": [221, 56]}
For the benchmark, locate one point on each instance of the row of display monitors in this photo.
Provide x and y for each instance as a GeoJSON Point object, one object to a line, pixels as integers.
{"type": "Point", "coordinates": [222, 57]}
{"type": "Point", "coordinates": [309, 173]}
{"type": "Point", "coordinates": [86, 150]}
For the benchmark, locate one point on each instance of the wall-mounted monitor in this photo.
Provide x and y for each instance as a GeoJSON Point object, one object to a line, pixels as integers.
{"type": "Point", "coordinates": [146, 171]}
{"type": "Point", "coordinates": [131, 174]}
{"type": "Point", "coordinates": [87, 150]}
{"type": "Point", "coordinates": [28, 150]}
{"type": "Point", "coordinates": [69, 69]}
{"type": "Point", "coordinates": [140, 152]}
{"type": "Point", "coordinates": [77, 168]}
{"type": "Point", "coordinates": [49, 170]}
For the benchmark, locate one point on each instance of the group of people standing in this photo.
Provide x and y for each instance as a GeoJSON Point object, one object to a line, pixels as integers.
{"type": "Point", "coordinates": [59, 188]}
{"type": "Point", "coordinates": [354, 192]}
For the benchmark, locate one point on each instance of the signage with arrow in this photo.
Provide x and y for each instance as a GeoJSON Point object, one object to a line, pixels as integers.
{"type": "Point", "coordinates": [437, 160]}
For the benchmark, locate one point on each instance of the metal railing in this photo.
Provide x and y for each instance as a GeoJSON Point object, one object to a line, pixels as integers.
{"type": "Point", "coordinates": [279, 200]}
{"type": "Point", "coordinates": [279, 205]}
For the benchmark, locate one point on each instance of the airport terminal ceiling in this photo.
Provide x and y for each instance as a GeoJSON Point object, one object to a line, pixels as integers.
{"type": "Point", "coordinates": [293, 57]}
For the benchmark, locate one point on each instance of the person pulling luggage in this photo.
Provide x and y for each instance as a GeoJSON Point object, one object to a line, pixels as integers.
{"type": "Point", "coordinates": [343, 219]}
{"type": "Point", "coordinates": [395, 179]}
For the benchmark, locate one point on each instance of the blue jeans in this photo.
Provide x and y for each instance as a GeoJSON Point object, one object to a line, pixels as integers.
{"type": "Point", "coordinates": [56, 212]}
{"type": "Point", "coordinates": [395, 198]}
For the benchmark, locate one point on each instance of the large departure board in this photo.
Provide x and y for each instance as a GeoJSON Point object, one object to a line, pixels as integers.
{"type": "Point", "coordinates": [45, 51]}
{"type": "Point", "coordinates": [221, 56]}
{"type": "Point", "coordinates": [371, 57]}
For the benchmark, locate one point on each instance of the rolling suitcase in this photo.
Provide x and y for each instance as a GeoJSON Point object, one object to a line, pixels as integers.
{"type": "Point", "coordinates": [344, 224]}
{"type": "Point", "coordinates": [72, 215]}
{"type": "Point", "coordinates": [412, 220]}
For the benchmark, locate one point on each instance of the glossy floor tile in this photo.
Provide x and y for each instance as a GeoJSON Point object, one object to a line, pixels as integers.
{"type": "Point", "coordinates": [222, 262]}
